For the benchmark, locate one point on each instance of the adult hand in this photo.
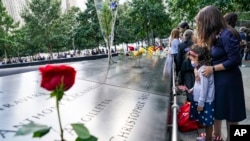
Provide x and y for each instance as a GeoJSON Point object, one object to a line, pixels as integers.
{"type": "Point", "coordinates": [207, 71]}
{"type": "Point", "coordinates": [182, 87]}
{"type": "Point", "coordinates": [243, 42]}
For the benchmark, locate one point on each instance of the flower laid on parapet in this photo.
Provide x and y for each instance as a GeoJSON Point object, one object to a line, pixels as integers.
{"type": "Point", "coordinates": [57, 79]}
{"type": "Point", "coordinates": [107, 12]}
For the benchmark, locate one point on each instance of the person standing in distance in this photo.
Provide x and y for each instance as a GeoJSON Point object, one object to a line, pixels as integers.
{"type": "Point", "coordinates": [183, 27]}
{"type": "Point", "coordinates": [184, 69]}
{"type": "Point", "coordinates": [231, 19]}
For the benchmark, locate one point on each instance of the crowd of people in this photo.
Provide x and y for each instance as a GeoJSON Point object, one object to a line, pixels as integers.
{"type": "Point", "coordinates": [208, 60]}
{"type": "Point", "coordinates": [58, 55]}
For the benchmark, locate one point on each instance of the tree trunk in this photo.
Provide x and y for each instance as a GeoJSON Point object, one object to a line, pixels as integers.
{"type": "Point", "coordinates": [73, 44]}
{"type": "Point", "coordinates": [5, 55]}
{"type": "Point", "coordinates": [50, 52]}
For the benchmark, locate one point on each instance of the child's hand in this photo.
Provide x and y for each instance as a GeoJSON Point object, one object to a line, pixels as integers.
{"type": "Point", "coordinates": [199, 108]}
{"type": "Point", "coordinates": [182, 87]}
{"type": "Point", "coordinates": [190, 91]}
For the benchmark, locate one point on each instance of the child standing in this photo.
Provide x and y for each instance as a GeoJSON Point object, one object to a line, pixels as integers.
{"type": "Point", "coordinates": [202, 103]}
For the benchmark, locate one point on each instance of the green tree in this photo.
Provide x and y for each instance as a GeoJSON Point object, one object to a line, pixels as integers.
{"type": "Point", "coordinates": [186, 10]}
{"type": "Point", "coordinates": [18, 46]}
{"type": "Point", "coordinates": [124, 29]}
{"type": "Point", "coordinates": [88, 34]}
{"type": "Point", "coordinates": [150, 19]}
{"type": "Point", "coordinates": [241, 5]}
{"type": "Point", "coordinates": [39, 16]}
{"type": "Point", "coordinates": [7, 25]}
{"type": "Point", "coordinates": [65, 29]}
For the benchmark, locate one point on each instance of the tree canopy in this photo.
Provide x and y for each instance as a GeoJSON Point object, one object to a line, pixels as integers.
{"type": "Point", "coordinates": [48, 29]}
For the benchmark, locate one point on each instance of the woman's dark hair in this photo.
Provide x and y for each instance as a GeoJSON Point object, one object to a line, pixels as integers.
{"type": "Point", "coordinates": [231, 19]}
{"type": "Point", "coordinates": [210, 22]}
{"type": "Point", "coordinates": [203, 54]}
{"type": "Point", "coordinates": [184, 25]}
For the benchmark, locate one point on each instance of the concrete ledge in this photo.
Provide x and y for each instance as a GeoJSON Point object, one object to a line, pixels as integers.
{"type": "Point", "coordinates": [131, 102]}
{"type": "Point", "coordinates": [42, 62]}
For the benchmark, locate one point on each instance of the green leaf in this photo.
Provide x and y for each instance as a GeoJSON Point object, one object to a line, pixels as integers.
{"type": "Point", "coordinates": [58, 93]}
{"type": "Point", "coordinates": [91, 138]}
{"type": "Point", "coordinates": [81, 131]}
{"type": "Point", "coordinates": [41, 133]}
{"type": "Point", "coordinates": [31, 128]}
{"type": "Point", "coordinates": [53, 93]}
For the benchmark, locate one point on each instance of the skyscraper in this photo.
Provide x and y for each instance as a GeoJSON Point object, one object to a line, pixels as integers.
{"type": "Point", "coordinates": [66, 4]}
{"type": "Point", "coordinates": [14, 8]}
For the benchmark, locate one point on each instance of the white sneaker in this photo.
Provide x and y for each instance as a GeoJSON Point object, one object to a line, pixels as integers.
{"type": "Point", "coordinates": [200, 139]}
{"type": "Point", "coordinates": [243, 65]}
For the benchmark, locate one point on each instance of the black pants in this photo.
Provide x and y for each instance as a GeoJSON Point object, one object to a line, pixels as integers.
{"type": "Point", "coordinates": [188, 79]}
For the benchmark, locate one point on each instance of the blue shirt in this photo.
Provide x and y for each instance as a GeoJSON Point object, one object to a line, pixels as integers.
{"type": "Point", "coordinates": [174, 46]}
{"type": "Point", "coordinates": [227, 50]}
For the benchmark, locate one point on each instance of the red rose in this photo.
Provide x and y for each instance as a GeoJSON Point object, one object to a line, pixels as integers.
{"type": "Point", "coordinates": [52, 76]}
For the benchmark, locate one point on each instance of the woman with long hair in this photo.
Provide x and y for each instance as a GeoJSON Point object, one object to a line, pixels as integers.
{"type": "Point", "coordinates": [174, 42]}
{"type": "Point", "coordinates": [224, 42]}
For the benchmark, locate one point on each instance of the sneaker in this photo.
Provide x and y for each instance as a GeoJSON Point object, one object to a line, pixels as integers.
{"type": "Point", "coordinates": [200, 139]}
{"type": "Point", "coordinates": [243, 65]}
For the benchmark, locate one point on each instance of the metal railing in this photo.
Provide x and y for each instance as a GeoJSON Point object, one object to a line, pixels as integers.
{"type": "Point", "coordinates": [174, 107]}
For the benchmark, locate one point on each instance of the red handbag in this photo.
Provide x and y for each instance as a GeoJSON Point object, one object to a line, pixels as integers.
{"type": "Point", "coordinates": [184, 123]}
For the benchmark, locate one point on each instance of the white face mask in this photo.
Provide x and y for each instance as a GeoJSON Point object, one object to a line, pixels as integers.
{"type": "Point", "coordinates": [194, 64]}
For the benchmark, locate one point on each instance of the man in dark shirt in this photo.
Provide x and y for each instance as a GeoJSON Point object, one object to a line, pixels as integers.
{"type": "Point", "coordinates": [184, 68]}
